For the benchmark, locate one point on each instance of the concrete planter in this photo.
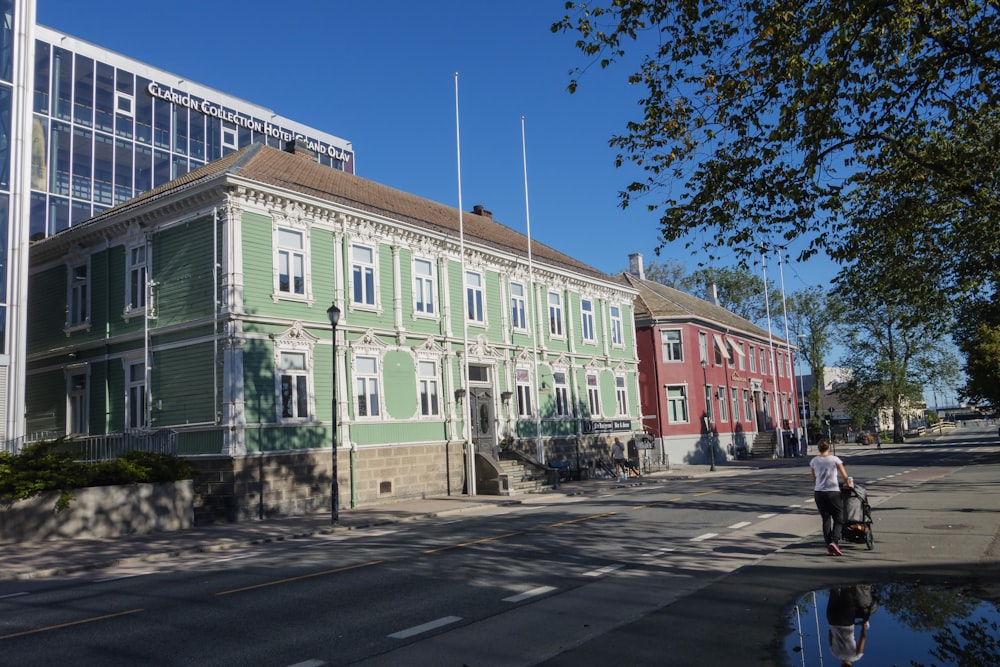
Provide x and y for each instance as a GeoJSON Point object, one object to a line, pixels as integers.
{"type": "Point", "coordinates": [100, 511]}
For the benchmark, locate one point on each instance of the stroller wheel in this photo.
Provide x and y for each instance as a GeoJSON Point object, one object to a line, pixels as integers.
{"type": "Point", "coordinates": [870, 538]}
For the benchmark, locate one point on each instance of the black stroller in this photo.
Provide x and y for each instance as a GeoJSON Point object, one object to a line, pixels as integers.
{"type": "Point", "coordinates": [857, 516]}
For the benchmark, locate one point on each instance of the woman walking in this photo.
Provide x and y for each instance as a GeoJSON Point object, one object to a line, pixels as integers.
{"type": "Point", "coordinates": [826, 490]}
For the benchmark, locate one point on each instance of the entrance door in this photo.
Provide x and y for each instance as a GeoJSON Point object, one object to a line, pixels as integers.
{"type": "Point", "coordinates": [483, 427]}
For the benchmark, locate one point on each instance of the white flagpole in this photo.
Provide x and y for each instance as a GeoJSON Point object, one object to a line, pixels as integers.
{"type": "Point", "coordinates": [539, 447]}
{"type": "Point", "coordinates": [470, 450]}
{"type": "Point", "coordinates": [776, 408]}
{"type": "Point", "coordinates": [788, 346]}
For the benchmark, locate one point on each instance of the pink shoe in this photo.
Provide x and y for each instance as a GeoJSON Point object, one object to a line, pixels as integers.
{"type": "Point", "coordinates": [834, 550]}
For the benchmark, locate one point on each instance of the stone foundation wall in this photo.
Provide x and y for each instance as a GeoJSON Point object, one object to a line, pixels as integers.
{"type": "Point", "coordinates": [270, 484]}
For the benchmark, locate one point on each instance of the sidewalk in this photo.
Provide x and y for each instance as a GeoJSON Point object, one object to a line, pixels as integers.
{"type": "Point", "coordinates": [26, 560]}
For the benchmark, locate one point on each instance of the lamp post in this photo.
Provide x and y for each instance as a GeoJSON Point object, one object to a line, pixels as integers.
{"type": "Point", "coordinates": [803, 413]}
{"type": "Point", "coordinates": [334, 314]}
{"type": "Point", "coordinates": [708, 420]}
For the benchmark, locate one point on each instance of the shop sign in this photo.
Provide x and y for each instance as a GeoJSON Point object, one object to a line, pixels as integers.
{"type": "Point", "coordinates": [606, 426]}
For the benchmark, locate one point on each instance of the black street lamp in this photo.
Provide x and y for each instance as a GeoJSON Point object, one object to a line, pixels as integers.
{"type": "Point", "coordinates": [334, 314]}
{"type": "Point", "coordinates": [708, 420]}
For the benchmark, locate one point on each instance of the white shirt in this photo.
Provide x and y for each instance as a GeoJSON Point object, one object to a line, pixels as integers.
{"type": "Point", "coordinates": [826, 470]}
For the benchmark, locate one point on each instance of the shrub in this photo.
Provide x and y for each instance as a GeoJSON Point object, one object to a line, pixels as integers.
{"type": "Point", "coordinates": [48, 466]}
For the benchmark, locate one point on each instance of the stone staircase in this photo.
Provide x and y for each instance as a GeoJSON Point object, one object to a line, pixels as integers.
{"type": "Point", "coordinates": [518, 478]}
{"type": "Point", "coordinates": [764, 446]}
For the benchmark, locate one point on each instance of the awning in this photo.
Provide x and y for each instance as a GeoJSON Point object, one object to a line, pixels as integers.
{"type": "Point", "coordinates": [718, 343]}
{"type": "Point", "coordinates": [738, 348]}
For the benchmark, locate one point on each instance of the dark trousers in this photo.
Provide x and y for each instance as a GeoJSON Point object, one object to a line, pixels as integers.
{"type": "Point", "coordinates": [831, 509]}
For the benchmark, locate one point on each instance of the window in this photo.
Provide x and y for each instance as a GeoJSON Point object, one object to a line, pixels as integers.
{"type": "Point", "coordinates": [428, 388]}
{"type": "Point", "coordinates": [124, 104]}
{"type": "Point", "coordinates": [587, 319]}
{"type": "Point", "coordinates": [621, 395]}
{"type": "Point", "coordinates": [703, 346]}
{"type": "Point", "coordinates": [291, 262]}
{"type": "Point", "coordinates": [723, 408]}
{"type": "Point", "coordinates": [294, 380]}
{"type": "Point", "coordinates": [518, 307]}
{"type": "Point", "coordinates": [781, 364]}
{"type": "Point", "coordinates": [593, 395]}
{"type": "Point", "coordinates": [136, 282]}
{"type": "Point", "coordinates": [717, 345]}
{"type": "Point", "coordinates": [77, 422]}
{"type": "Point", "coordinates": [617, 338]}
{"type": "Point", "coordinates": [561, 394]}
{"type": "Point", "coordinates": [363, 275]}
{"type": "Point", "coordinates": [736, 404]}
{"type": "Point", "coordinates": [763, 361]}
{"type": "Point", "coordinates": [555, 315]}
{"type": "Point", "coordinates": [79, 295]}
{"type": "Point", "coordinates": [474, 306]}
{"type": "Point", "coordinates": [670, 341]}
{"type": "Point", "coordinates": [753, 359]}
{"type": "Point", "coordinates": [741, 355]}
{"type": "Point", "coordinates": [709, 404]}
{"type": "Point", "coordinates": [423, 286]}
{"type": "Point", "coordinates": [136, 396]}
{"type": "Point", "coordinates": [747, 406]}
{"type": "Point", "coordinates": [677, 408]}
{"type": "Point", "coordinates": [522, 382]}
{"type": "Point", "coordinates": [366, 386]}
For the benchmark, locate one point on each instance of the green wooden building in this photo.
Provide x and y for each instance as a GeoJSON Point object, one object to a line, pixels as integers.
{"type": "Point", "coordinates": [199, 309]}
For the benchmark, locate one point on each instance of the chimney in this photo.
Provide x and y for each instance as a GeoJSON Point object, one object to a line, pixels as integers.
{"type": "Point", "coordinates": [300, 148]}
{"type": "Point", "coordinates": [479, 209]}
{"type": "Point", "coordinates": [712, 293]}
{"type": "Point", "coordinates": [635, 265]}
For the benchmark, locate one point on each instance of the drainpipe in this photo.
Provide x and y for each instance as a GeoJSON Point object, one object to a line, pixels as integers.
{"type": "Point", "coordinates": [354, 476]}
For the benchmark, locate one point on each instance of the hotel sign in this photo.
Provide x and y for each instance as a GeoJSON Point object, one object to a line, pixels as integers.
{"type": "Point", "coordinates": [215, 110]}
{"type": "Point", "coordinates": [606, 426]}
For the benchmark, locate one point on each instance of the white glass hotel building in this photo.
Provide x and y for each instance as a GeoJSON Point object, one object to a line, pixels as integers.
{"type": "Point", "coordinates": [83, 129]}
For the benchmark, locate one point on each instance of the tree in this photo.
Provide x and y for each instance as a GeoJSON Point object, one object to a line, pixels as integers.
{"type": "Point", "coordinates": [670, 273]}
{"type": "Point", "coordinates": [978, 336]}
{"type": "Point", "coordinates": [738, 291]}
{"type": "Point", "coordinates": [764, 122]}
{"type": "Point", "coordinates": [813, 314]}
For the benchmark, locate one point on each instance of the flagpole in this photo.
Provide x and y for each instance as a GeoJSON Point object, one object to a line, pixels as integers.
{"type": "Point", "coordinates": [539, 447]}
{"type": "Point", "coordinates": [470, 453]}
{"type": "Point", "coordinates": [788, 345]}
{"type": "Point", "coordinates": [776, 409]}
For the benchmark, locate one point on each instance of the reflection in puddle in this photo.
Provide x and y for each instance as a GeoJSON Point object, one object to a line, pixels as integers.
{"type": "Point", "coordinates": [894, 624]}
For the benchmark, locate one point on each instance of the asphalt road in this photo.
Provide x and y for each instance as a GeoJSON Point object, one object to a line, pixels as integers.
{"type": "Point", "coordinates": [696, 571]}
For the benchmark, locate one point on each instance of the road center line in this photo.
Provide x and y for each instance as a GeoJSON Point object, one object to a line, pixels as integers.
{"type": "Point", "coordinates": [469, 544]}
{"type": "Point", "coordinates": [707, 493]}
{"type": "Point", "coordinates": [13, 595]}
{"type": "Point", "coordinates": [741, 524]}
{"type": "Point", "coordinates": [583, 518]}
{"type": "Point", "coordinates": [426, 627]}
{"type": "Point", "coordinates": [299, 578]}
{"type": "Point", "coordinates": [604, 570]}
{"type": "Point", "coordinates": [702, 538]}
{"type": "Point", "coordinates": [70, 624]}
{"type": "Point", "coordinates": [654, 504]}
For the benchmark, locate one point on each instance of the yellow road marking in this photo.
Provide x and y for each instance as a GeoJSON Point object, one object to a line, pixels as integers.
{"type": "Point", "coordinates": [658, 502]}
{"type": "Point", "coordinates": [583, 518]}
{"type": "Point", "coordinates": [70, 624]}
{"type": "Point", "coordinates": [300, 578]}
{"type": "Point", "coordinates": [469, 544]}
{"type": "Point", "coordinates": [706, 493]}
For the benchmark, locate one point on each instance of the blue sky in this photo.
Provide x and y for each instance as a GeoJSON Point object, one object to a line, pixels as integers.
{"type": "Point", "coordinates": [381, 75]}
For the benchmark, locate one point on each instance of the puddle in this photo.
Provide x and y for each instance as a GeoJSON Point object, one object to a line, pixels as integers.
{"type": "Point", "coordinates": [909, 625]}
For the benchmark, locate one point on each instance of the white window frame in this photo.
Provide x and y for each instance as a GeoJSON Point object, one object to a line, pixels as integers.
{"type": "Point", "coordinates": [703, 346]}
{"type": "Point", "coordinates": [723, 405]}
{"type": "Point", "coordinates": [709, 403]}
{"type": "Point", "coordinates": [300, 382]}
{"type": "Point", "coordinates": [587, 320]}
{"type": "Point", "coordinates": [562, 407]}
{"type": "Point", "coordinates": [677, 400]}
{"type": "Point", "coordinates": [77, 401]}
{"type": "Point", "coordinates": [136, 277]}
{"type": "Point", "coordinates": [475, 297]}
{"type": "Point", "coordinates": [763, 361]}
{"type": "Point", "coordinates": [518, 306]}
{"type": "Point", "coordinates": [78, 295]}
{"type": "Point", "coordinates": [735, 394]}
{"type": "Point", "coordinates": [229, 136]}
{"type": "Point", "coordinates": [428, 388]}
{"type": "Point", "coordinates": [741, 356]}
{"type": "Point", "coordinates": [555, 315]}
{"type": "Point", "coordinates": [367, 384]}
{"type": "Point", "coordinates": [136, 396]}
{"type": "Point", "coordinates": [523, 393]}
{"type": "Point", "coordinates": [593, 395]}
{"type": "Point", "coordinates": [669, 346]}
{"type": "Point", "coordinates": [364, 292]}
{"type": "Point", "coordinates": [621, 395]}
{"type": "Point", "coordinates": [752, 353]}
{"type": "Point", "coordinates": [289, 254]}
{"type": "Point", "coordinates": [748, 406]}
{"type": "Point", "coordinates": [424, 287]}
{"type": "Point", "coordinates": [617, 331]}
{"type": "Point", "coordinates": [129, 108]}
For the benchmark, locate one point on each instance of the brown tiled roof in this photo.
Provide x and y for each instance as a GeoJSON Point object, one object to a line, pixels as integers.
{"type": "Point", "coordinates": [657, 301]}
{"type": "Point", "coordinates": [274, 167]}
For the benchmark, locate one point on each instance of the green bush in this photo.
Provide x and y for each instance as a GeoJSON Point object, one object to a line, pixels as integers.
{"type": "Point", "coordinates": [51, 466]}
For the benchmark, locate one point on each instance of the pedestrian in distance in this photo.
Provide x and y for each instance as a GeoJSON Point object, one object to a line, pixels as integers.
{"type": "Point", "coordinates": [619, 457]}
{"type": "Point", "coordinates": [827, 470]}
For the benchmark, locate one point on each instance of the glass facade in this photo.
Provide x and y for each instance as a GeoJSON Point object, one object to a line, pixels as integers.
{"type": "Point", "coordinates": [6, 108]}
{"type": "Point", "coordinates": [107, 130]}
